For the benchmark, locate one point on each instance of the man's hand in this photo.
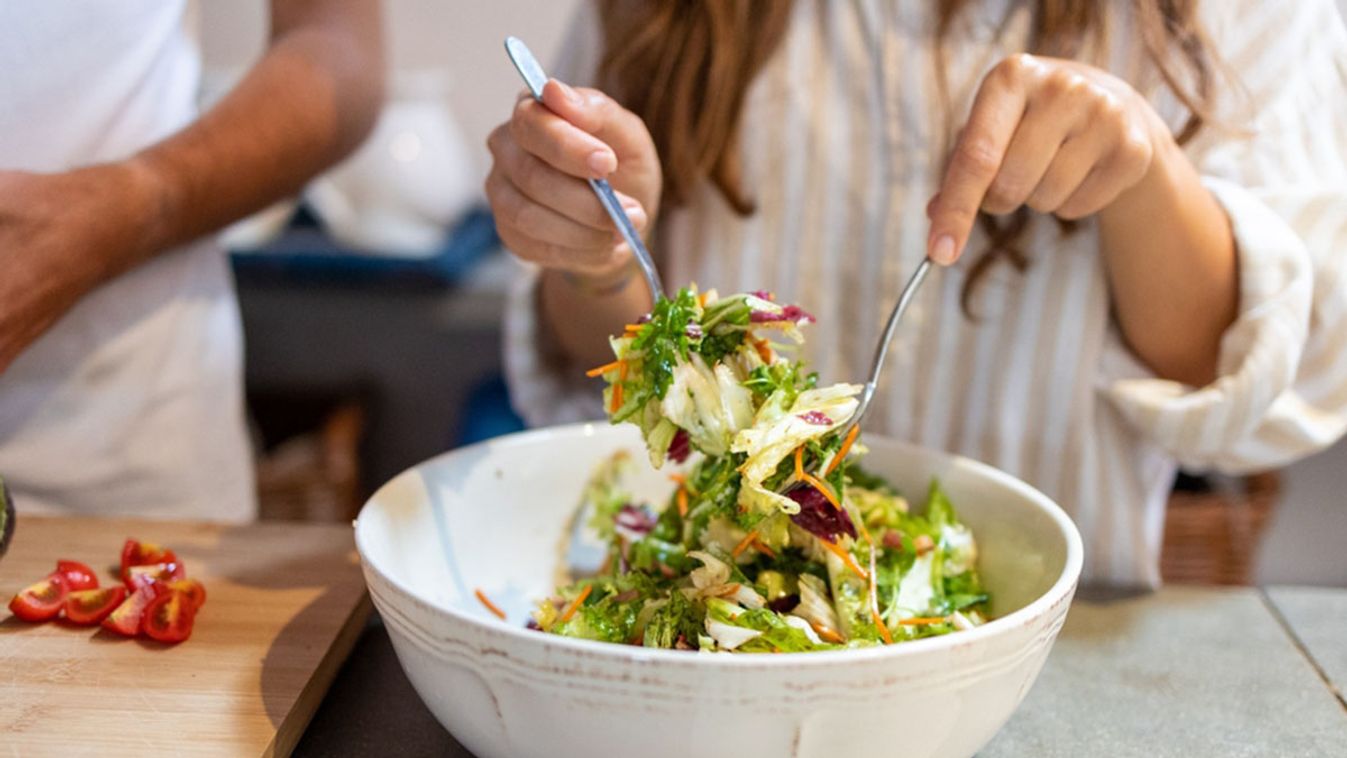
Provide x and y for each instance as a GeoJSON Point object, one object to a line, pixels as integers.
{"type": "Point", "coordinates": [308, 101]}
{"type": "Point", "coordinates": [58, 233]}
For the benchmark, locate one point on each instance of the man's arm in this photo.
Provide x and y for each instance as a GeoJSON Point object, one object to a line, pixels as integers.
{"type": "Point", "coordinates": [310, 99]}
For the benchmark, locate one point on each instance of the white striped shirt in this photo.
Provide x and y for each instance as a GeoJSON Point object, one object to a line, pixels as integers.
{"type": "Point", "coordinates": [843, 138]}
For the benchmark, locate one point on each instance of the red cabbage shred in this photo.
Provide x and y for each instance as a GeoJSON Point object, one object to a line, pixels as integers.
{"type": "Point", "coordinates": [818, 516]}
{"type": "Point", "coordinates": [680, 447]}
{"type": "Point", "coordinates": [637, 521]}
{"type": "Point", "coordinates": [784, 604]}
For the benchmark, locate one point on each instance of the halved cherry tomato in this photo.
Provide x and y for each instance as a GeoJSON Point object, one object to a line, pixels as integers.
{"type": "Point", "coordinates": [126, 618]}
{"type": "Point", "coordinates": [78, 576]}
{"type": "Point", "coordinates": [136, 553]}
{"type": "Point", "coordinates": [89, 607]}
{"type": "Point", "coordinates": [169, 617]}
{"type": "Point", "coordinates": [194, 590]}
{"type": "Point", "coordinates": [139, 576]}
{"type": "Point", "coordinates": [41, 600]}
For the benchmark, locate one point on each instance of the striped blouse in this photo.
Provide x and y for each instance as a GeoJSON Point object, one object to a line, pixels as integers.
{"type": "Point", "coordinates": [843, 139]}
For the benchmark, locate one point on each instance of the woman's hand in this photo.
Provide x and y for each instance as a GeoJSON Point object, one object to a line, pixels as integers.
{"type": "Point", "coordinates": [541, 158]}
{"type": "Point", "coordinates": [1071, 140]}
{"type": "Point", "coordinates": [1058, 136]}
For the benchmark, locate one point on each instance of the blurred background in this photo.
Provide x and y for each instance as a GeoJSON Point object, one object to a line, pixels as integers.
{"type": "Point", "coordinates": [372, 305]}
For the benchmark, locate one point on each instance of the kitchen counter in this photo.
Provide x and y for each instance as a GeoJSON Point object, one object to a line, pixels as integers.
{"type": "Point", "coordinates": [1182, 672]}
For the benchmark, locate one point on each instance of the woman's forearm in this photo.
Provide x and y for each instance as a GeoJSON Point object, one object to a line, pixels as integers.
{"type": "Point", "coordinates": [578, 315]}
{"type": "Point", "coordinates": [1170, 259]}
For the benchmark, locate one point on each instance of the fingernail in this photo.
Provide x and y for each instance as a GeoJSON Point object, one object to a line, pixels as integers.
{"type": "Point", "coordinates": [602, 162]}
{"type": "Point", "coordinates": [942, 251]}
{"type": "Point", "coordinates": [570, 94]}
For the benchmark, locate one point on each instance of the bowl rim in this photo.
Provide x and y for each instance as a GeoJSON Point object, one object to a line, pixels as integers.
{"type": "Point", "coordinates": [1061, 590]}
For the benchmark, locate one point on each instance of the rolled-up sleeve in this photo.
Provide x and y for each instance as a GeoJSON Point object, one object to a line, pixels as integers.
{"type": "Point", "coordinates": [1281, 392]}
{"type": "Point", "coordinates": [544, 388]}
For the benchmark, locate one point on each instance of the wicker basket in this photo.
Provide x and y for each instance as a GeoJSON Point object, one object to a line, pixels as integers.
{"type": "Point", "coordinates": [1212, 533]}
{"type": "Point", "coordinates": [315, 475]}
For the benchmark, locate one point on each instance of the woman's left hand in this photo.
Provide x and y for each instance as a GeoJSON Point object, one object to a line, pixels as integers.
{"type": "Point", "coordinates": [1055, 135]}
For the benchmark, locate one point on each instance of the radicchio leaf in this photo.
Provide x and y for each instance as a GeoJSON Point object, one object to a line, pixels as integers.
{"type": "Point", "coordinates": [792, 313]}
{"type": "Point", "coordinates": [784, 604]}
{"type": "Point", "coordinates": [818, 516]}
{"type": "Point", "coordinates": [634, 522]}
{"type": "Point", "coordinates": [680, 447]}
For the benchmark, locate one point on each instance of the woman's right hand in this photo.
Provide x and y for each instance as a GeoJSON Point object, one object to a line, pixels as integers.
{"type": "Point", "coordinates": [545, 210]}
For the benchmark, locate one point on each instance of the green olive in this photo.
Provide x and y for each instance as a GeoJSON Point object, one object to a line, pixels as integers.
{"type": "Point", "coordinates": [777, 584]}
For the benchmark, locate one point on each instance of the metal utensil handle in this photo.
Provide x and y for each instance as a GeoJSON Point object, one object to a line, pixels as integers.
{"type": "Point", "coordinates": [535, 78]}
{"type": "Point", "coordinates": [882, 349]}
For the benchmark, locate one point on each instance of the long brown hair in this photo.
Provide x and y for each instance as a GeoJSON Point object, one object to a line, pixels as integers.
{"type": "Point", "coordinates": [685, 66]}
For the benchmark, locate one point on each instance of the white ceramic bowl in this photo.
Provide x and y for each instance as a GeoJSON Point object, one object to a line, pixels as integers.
{"type": "Point", "coordinates": [491, 516]}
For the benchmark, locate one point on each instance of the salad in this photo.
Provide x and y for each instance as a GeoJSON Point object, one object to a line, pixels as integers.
{"type": "Point", "coordinates": [773, 539]}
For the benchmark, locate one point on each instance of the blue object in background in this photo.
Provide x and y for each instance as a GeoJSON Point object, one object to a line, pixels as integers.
{"type": "Point", "coordinates": [487, 413]}
{"type": "Point", "coordinates": [305, 254]}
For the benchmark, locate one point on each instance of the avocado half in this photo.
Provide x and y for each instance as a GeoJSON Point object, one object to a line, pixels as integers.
{"type": "Point", "coordinates": [7, 517]}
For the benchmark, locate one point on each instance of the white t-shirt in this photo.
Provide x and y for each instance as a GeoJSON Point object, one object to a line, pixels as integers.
{"type": "Point", "coordinates": [132, 403]}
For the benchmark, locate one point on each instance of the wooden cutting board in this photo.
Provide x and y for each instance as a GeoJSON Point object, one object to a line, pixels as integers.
{"type": "Point", "coordinates": [285, 603]}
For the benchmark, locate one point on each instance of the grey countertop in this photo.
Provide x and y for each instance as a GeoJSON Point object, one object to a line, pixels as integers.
{"type": "Point", "coordinates": [1182, 672]}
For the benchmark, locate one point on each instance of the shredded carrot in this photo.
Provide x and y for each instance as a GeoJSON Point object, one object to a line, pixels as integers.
{"type": "Point", "coordinates": [812, 480]}
{"type": "Point", "coordinates": [617, 387]}
{"type": "Point", "coordinates": [850, 562]}
{"type": "Point", "coordinates": [827, 634]}
{"type": "Point", "coordinates": [682, 496]}
{"type": "Point", "coordinates": [761, 548]}
{"type": "Point", "coordinates": [701, 298]}
{"type": "Point", "coordinates": [874, 602]}
{"type": "Point", "coordinates": [575, 604]}
{"type": "Point", "coordinates": [846, 448]}
{"type": "Point", "coordinates": [865, 533]}
{"type": "Point", "coordinates": [823, 487]}
{"type": "Point", "coordinates": [883, 630]}
{"type": "Point", "coordinates": [490, 606]}
{"type": "Point", "coordinates": [763, 347]}
{"type": "Point", "coordinates": [605, 368]}
{"type": "Point", "coordinates": [632, 327]}
{"type": "Point", "coordinates": [729, 589]}
{"type": "Point", "coordinates": [743, 544]}
{"type": "Point", "coordinates": [923, 620]}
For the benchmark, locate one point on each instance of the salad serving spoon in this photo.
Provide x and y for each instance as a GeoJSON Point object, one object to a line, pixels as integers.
{"type": "Point", "coordinates": [882, 349]}
{"type": "Point", "coordinates": [534, 76]}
